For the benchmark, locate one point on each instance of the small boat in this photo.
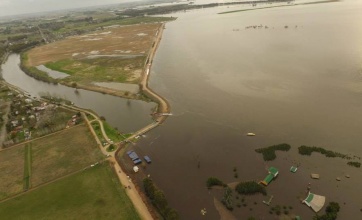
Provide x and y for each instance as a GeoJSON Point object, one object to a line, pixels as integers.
{"type": "Point", "coordinates": [250, 134]}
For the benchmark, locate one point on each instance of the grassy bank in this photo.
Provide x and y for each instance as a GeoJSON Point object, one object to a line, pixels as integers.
{"type": "Point", "coordinates": [33, 71]}
{"type": "Point", "coordinates": [92, 194]}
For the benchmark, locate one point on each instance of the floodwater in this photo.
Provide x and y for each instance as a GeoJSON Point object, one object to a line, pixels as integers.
{"type": "Point", "coordinates": [298, 85]}
{"type": "Point", "coordinates": [125, 115]}
{"type": "Point", "coordinates": [52, 73]}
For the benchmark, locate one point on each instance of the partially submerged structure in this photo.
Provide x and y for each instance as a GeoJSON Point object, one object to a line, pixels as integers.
{"type": "Point", "coordinates": [316, 202]}
{"type": "Point", "coordinates": [134, 157]}
{"type": "Point", "coordinates": [314, 176]}
{"type": "Point", "coordinates": [293, 169]}
{"type": "Point", "coordinates": [273, 172]}
{"type": "Point", "coordinates": [147, 159]}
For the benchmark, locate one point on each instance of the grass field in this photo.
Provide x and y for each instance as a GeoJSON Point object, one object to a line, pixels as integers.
{"type": "Point", "coordinates": [91, 194]}
{"type": "Point", "coordinates": [11, 171]}
{"type": "Point", "coordinates": [63, 153]}
{"type": "Point", "coordinates": [114, 54]}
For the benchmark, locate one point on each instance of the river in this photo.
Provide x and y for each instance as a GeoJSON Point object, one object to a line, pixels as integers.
{"type": "Point", "coordinates": [299, 85]}
{"type": "Point", "coordinates": [126, 116]}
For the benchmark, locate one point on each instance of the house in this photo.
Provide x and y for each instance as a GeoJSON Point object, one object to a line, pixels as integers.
{"type": "Point", "coordinates": [273, 173]}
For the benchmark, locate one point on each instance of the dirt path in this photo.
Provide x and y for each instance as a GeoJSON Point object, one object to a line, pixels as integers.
{"type": "Point", "coordinates": [132, 193]}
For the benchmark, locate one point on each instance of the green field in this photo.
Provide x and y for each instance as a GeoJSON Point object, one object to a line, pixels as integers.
{"type": "Point", "coordinates": [65, 152]}
{"type": "Point", "coordinates": [91, 194]}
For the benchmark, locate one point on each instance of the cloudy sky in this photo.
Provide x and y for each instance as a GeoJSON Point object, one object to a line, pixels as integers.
{"type": "Point", "coordinates": [13, 7]}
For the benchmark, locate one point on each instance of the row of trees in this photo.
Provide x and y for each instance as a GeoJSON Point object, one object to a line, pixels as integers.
{"type": "Point", "coordinates": [158, 199]}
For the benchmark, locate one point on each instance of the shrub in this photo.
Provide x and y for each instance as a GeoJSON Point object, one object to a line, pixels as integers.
{"type": "Point", "coordinates": [213, 181]}
{"type": "Point", "coordinates": [354, 164]}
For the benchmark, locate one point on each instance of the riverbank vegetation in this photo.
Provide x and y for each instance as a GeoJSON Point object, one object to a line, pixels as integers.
{"type": "Point", "coordinates": [34, 72]}
{"type": "Point", "coordinates": [269, 152]}
{"type": "Point", "coordinates": [158, 199]}
{"type": "Point", "coordinates": [88, 193]}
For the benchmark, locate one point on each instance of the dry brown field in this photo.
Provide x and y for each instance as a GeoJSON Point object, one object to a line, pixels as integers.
{"type": "Point", "coordinates": [11, 171]}
{"type": "Point", "coordinates": [133, 39]}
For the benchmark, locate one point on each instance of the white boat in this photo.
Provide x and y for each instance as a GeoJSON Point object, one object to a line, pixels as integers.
{"type": "Point", "coordinates": [250, 134]}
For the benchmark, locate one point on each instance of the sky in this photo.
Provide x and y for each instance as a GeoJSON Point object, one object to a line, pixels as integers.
{"type": "Point", "coordinates": [14, 7]}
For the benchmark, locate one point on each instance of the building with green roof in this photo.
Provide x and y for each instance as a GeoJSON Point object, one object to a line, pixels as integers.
{"type": "Point", "coordinates": [273, 172]}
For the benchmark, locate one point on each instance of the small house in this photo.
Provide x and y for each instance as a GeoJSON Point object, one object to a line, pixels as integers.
{"type": "Point", "coordinates": [273, 173]}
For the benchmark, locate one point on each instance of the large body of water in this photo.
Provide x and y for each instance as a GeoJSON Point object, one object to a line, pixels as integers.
{"type": "Point", "coordinates": [299, 85]}
{"type": "Point", "coordinates": [126, 115]}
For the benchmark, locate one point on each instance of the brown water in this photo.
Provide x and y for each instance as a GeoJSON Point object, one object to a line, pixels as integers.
{"type": "Point", "coordinates": [299, 85]}
{"type": "Point", "coordinates": [127, 116]}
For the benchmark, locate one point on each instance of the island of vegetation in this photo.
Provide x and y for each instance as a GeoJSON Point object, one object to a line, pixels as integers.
{"type": "Point", "coordinates": [269, 152]}
{"type": "Point", "coordinates": [307, 150]}
{"type": "Point", "coordinates": [354, 164]}
{"type": "Point", "coordinates": [250, 188]}
{"type": "Point", "coordinates": [213, 181]}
